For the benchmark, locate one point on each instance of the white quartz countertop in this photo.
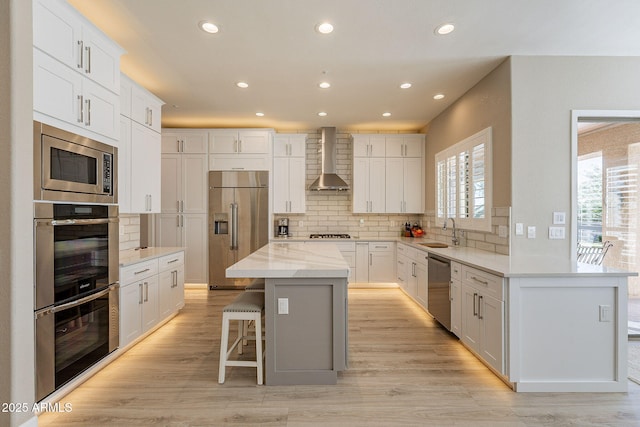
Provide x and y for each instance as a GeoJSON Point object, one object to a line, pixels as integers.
{"type": "Point", "coordinates": [514, 266]}
{"type": "Point", "coordinates": [292, 259]}
{"type": "Point", "coordinates": [134, 256]}
{"type": "Point", "coordinates": [501, 265]}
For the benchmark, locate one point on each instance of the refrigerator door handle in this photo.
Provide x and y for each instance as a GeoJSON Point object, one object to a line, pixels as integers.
{"type": "Point", "coordinates": [234, 226]}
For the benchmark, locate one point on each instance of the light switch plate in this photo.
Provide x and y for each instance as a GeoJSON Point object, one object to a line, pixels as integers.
{"type": "Point", "coordinates": [531, 232]}
{"type": "Point", "coordinates": [605, 313]}
{"type": "Point", "coordinates": [556, 233]}
{"type": "Point", "coordinates": [559, 218]}
{"type": "Point", "coordinates": [519, 229]}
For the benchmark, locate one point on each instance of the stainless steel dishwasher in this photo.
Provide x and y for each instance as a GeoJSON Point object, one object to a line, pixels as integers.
{"type": "Point", "coordinates": [438, 302]}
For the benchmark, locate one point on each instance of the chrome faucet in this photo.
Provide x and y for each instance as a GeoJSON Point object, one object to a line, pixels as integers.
{"type": "Point", "coordinates": [454, 238]}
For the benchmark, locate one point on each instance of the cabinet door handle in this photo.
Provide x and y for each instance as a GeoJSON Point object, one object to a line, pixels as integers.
{"type": "Point", "coordinates": [370, 259]}
{"type": "Point", "coordinates": [450, 297]}
{"type": "Point", "coordinates": [150, 117]}
{"type": "Point", "coordinates": [88, 120]}
{"type": "Point", "coordinates": [87, 68]}
{"type": "Point", "coordinates": [140, 292]}
{"type": "Point", "coordinates": [182, 221]}
{"type": "Point", "coordinates": [80, 54]}
{"type": "Point", "coordinates": [484, 282]}
{"type": "Point", "coordinates": [475, 309]}
{"type": "Point", "coordinates": [182, 146]}
{"type": "Point", "coordinates": [181, 205]}
{"type": "Point", "coordinates": [178, 205]}
{"type": "Point", "coordinates": [146, 291]}
{"type": "Point", "coordinates": [239, 146]}
{"type": "Point", "coordinates": [141, 271]}
{"type": "Point", "coordinates": [480, 303]}
{"type": "Point", "coordinates": [178, 143]}
{"type": "Point", "coordinates": [80, 108]}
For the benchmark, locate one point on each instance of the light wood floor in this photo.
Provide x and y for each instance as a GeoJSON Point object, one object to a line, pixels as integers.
{"type": "Point", "coordinates": [404, 370]}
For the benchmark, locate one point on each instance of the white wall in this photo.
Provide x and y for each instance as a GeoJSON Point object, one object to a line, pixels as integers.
{"type": "Point", "coordinates": [544, 91]}
{"type": "Point", "coordinates": [16, 189]}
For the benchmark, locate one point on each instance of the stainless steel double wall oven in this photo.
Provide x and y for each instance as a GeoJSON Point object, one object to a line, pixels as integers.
{"type": "Point", "coordinates": [76, 264]}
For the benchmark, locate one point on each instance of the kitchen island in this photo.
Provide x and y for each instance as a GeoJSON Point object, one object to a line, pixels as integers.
{"type": "Point", "coordinates": [306, 310]}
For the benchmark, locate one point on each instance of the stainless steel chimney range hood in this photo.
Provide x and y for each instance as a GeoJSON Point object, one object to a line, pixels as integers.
{"type": "Point", "coordinates": [328, 179]}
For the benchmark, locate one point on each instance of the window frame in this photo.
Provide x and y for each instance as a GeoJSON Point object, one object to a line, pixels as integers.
{"type": "Point", "coordinates": [452, 178]}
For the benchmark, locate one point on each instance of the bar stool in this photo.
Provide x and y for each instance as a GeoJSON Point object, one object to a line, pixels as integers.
{"type": "Point", "coordinates": [247, 307]}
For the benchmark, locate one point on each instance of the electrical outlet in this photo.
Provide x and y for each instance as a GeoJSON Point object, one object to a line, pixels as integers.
{"type": "Point", "coordinates": [361, 222]}
{"type": "Point", "coordinates": [121, 230]}
{"type": "Point", "coordinates": [300, 223]}
{"type": "Point", "coordinates": [502, 231]}
{"type": "Point", "coordinates": [283, 305]}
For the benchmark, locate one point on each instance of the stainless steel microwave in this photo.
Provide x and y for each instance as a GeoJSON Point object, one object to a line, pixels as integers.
{"type": "Point", "coordinates": [72, 168]}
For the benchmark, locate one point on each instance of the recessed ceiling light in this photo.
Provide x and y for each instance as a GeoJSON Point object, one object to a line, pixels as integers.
{"type": "Point", "coordinates": [242, 85]}
{"type": "Point", "coordinates": [438, 96]}
{"type": "Point", "coordinates": [324, 28]}
{"type": "Point", "coordinates": [322, 114]}
{"type": "Point", "coordinates": [324, 85]}
{"type": "Point", "coordinates": [405, 85]}
{"type": "Point", "coordinates": [387, 114]}
{"type": "Point", "coordinates": [260, 114]}
{"type": "Point", "coordinates": [444, 29]}
{"type": "Point", "coordinates": [208, 27]}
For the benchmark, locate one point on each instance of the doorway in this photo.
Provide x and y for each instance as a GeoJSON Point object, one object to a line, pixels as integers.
{"type": "Point", "coordinates": [607, 201]}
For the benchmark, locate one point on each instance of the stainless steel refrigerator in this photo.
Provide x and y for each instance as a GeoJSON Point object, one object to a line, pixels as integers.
{"type": "Point", "coordinates": [238, 222]}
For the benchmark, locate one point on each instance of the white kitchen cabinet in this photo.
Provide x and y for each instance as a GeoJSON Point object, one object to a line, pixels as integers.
{"type": "Point", "coordinates": [289, 173]}
{"type": "Point", "coordinates": [404, 145]}
{"type": "Point", "coordinates": [139, 176]}
{"type": "Point", "coordinates": [456, 298]}
{"type": "Point", "coordinates": [64, 98]}
{"type": "Point", "coordinates": [405, 177]}
{"type": "Point", "coordinates": [238, 141]}
{"type": "Point", "coordinates": [145, 160]}
{"type": "Point", "coordinates": [184, 183]}
{"type": "Point", "coordinates": [368, 145]}
{"type": "Point", "coordinates": [239, 149]}
{"type": "Point", "coordinates": [64, 34]}
{"type": "Point", "coordinates": [138, 300]}
{"type": "Point", "coordinates": [139, 104]}
{"type": "Point", "coordinates": [348, 251]}
{"type": "Point", "coordinates": [188, 231]}
{"type": "Point", "coordinates": [171, 284]}
{"type": "Point", "coordinates": [483, 316]}
{"type": "Point", "coordinates": [402, 267]}
{"type": "Point", "coordinates": [362, 262]}
{"type": "Point", "coordinates": [148, 296]}
{"type": "Point", "coordinates": [421, 278]}
{"type": "Point", "coordinates": [368, 193]}
{"type": "Point", "coordinates": [187, 141]}
{"type": "Point", "coordinates": [382, 262]}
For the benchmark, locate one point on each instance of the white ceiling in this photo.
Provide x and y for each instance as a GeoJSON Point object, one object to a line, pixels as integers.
{"type": "Point", "coordinates": [376, 45]}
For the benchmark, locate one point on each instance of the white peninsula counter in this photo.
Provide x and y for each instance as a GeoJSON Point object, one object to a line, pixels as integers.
{"type": "Point", "coordinates": [306, 318]}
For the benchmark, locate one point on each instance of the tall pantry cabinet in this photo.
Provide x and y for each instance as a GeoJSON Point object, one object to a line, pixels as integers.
{"type": "Point", "coordinates": [183, 217]}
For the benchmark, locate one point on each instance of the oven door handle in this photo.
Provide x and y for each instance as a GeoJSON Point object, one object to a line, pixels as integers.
{"type": "Point", "coordinates": [76, 303]}
{"type": "Point", "coordinates": [80, 221]}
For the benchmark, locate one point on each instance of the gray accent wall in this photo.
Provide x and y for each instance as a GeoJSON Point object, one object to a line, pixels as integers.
{"type": "Point", "coordinates": [544, 91]}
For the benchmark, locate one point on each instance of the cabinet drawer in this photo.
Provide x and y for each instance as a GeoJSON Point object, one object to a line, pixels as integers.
{"type": "Point", "coordinates": [483, 281]}
{"type": "Point", "coordinates": [380, 246]}
{"type": "Point", "coordinates": [401, 249]}
{"type": "Point", "coordinates": [138, 271]}
{"type": "Point", "coordinates": [172, 261]}
{"type": "Point", "coordinates": [456, 270]}
{"type": "Point", "coordinates": [346, 246]}
{"type": "Point", "coordinates": [238, 162]}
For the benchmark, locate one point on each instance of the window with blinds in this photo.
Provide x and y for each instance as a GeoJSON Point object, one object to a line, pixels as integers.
{"type": "Point", "coordinates": [463, 179]}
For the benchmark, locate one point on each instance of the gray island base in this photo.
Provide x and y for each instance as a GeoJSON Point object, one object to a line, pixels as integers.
{"type": "Point", "coordinates": [306, 310]}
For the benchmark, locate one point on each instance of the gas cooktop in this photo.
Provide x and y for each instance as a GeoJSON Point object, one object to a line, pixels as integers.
{"type": "Point", "coordinates": [329, 236]}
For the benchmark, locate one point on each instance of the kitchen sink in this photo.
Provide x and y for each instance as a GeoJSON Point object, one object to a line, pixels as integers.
{"type": "Point", "coordinates": [435, 245]}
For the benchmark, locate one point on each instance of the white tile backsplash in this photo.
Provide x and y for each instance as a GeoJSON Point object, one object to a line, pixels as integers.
{"type": "Point", "coordinates": [130, 224]}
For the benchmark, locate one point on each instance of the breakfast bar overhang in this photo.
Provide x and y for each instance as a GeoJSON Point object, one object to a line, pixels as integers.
{"type": "Point", "coordinates": [306, 310]}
